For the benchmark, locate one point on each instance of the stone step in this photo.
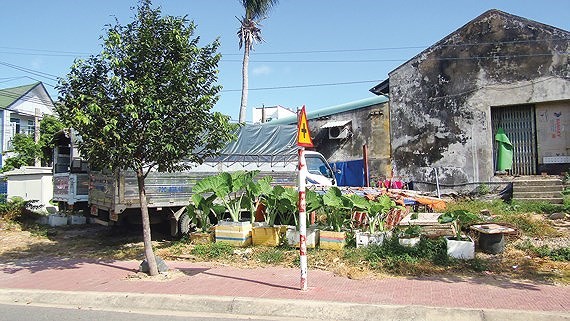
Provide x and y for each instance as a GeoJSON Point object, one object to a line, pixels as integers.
{"type": "Point", "coordinates": [540, 195]}
{"type": "Point", "coordinates": [549, 200]}
{"type": "Point", "coordinates": [538, 189]}
{"type": "Point", "coordinates": [538, 182]}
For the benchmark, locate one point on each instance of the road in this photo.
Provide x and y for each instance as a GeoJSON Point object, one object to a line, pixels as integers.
{"type": "Point", "coordinates": [23, 312]}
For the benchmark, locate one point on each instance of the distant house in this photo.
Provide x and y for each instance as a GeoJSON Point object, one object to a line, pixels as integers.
{"type": "Point", "coordinates": [20, 108]}
{"type": "Point", "coordinates": [497, 71]}
{"type": "Point", "coordinates": [340, 132]}
{"type": "Point", "coordinates": [265, 114]}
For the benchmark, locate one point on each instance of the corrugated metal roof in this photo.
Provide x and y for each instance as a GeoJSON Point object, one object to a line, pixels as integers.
{"type": "Point", "coordinates": [327, 111]}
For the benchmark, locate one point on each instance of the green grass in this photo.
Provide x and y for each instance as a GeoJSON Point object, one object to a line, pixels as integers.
{"type": "Point", "coordinates": [218, 250]}
{"type": "Point", "coordinates": [560, 254]}
{"type": "Point", "coordinates": [518, 214]}
{"type": "Point", "coordinates": [270, 256]}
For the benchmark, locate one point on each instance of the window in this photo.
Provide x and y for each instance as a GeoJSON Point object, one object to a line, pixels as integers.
{"type": "Point", "coordinates": [15, 123]}
{"type": "Point", "coordinates": [31, 128]}
{"type": "Point", "coordinates": [316, 165]}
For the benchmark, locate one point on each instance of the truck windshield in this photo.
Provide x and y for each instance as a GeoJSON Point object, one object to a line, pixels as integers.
{"type": "Point", "coordinates": [318, 166]}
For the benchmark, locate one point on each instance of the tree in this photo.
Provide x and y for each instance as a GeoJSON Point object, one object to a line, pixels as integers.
{"type": "Point", "coordinates": [144, 102]}
{"type": "Point", "coordinates": [249, 33]}
{"type": "Point", "coordinates": [24, 149]}
{"type": "Point", "coordinates": [49, 125]}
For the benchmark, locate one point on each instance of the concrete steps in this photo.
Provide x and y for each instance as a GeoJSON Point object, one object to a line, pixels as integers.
{"type": "Point", "coordinates": [538, 189]}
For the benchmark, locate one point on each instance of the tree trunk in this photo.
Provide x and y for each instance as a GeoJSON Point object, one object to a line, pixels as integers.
{"type": "Point", "coordinates": [244, 85]}
{"type": "Point", "coordinates": [148, 252]}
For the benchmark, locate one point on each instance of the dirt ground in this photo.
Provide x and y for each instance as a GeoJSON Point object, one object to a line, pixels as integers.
{"type": "Point", "coordinates": [100, 242]}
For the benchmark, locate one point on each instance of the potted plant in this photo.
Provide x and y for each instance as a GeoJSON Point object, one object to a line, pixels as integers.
{"type": "Point", "coordinates": [280, 205]}
{"type": "Point", "coordinates": [201, 211]}
{"type": "Point", "coordinates": [376, 212]}
{"type": "Point", "coordinates": [338, 210]}
{"type": "Point", "coordinates": [410, 236]}
{"type": "Point", "coordinates": [314, 204]}
{"type": "Point", "coordinates": [459, 246]}
{"type": "Point", "coordinates": [229, 190]}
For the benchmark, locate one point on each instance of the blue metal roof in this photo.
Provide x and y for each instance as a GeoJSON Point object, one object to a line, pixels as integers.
{"type": "Point", "coordinates": [327, 111]}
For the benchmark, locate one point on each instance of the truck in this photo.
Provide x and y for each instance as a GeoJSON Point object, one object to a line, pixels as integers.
{"type": "Point", "coordinates": [112, 198]}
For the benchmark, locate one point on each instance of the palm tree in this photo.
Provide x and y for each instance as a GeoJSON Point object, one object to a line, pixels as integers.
{"type": "Point", "coordinates": [249, 33]}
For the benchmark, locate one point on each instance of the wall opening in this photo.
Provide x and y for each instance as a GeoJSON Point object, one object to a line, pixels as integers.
{"type": "Point", "coordinates": [519, 123]}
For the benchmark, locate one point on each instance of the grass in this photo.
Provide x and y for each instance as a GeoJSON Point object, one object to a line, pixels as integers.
{"type": "Point", "coordinates": [525, 216]}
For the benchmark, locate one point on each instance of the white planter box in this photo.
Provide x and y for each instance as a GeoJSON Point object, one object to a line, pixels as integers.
{"type": "Point", "coordinates": [293, 237]}
{"type": "Point", "coordinates": [364, 239]}
{"type": "Point", "coordinates": [464, 250]}
{"type": "Point", "coordinates": [57, 220]}
{"type": "Point", "coordinates": [77, 220]}
{"type": "Point", "coordinates": [409, 241]}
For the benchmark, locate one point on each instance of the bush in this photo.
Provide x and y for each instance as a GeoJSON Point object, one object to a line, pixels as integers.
{"type": "Point", "coordinates": [395, 258]}
{"type": "Point", "coordinates": [18, 209]}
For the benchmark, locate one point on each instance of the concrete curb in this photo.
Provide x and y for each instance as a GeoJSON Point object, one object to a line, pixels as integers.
{"type": "Point", "coordinates": [301, 309]}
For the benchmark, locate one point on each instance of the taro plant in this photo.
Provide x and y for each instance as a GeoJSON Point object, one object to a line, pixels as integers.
{"type": "Point", "coordinates": [378, 211]}
{"type": "Point", "coordinates": [338, 209]}
{"type": "Point", "coordinates": [253, 190]}
{"type": "Point", "coordinates": [229, 190]}
{"type": "Point", "coordinates": [280, 202]}
{"type": "Point", "coordinates": [200, 209]}
{"type": "Point", "coordinates": [412, 231]}
{"type": "Point", "coordinates": [459, 219]}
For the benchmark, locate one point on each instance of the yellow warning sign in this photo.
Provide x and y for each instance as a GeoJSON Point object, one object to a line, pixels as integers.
{"type": "Point", "coordinates": [303, 134]}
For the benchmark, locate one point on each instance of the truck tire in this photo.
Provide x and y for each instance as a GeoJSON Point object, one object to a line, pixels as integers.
{"type": "Point", "coordinates": [184, 223]}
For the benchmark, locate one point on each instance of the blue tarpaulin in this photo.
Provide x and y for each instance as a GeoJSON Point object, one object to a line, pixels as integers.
{"type": "Point", "coordinates": [351, 173]}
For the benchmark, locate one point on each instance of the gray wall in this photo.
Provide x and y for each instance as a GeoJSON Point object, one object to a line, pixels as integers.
{"type": "Point", "coordinates": [440, 100]}
{"type": "Point", "coordinates": [369, 126]}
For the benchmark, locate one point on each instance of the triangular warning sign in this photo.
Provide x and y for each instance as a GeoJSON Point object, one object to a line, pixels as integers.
{"type": "Point", "coordinates": [303, 134]}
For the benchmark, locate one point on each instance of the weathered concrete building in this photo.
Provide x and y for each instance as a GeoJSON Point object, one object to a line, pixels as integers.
{"type": "Point", "coordinates": [339, 133]}
{"type": "Point", "coordinates": [498, 70]}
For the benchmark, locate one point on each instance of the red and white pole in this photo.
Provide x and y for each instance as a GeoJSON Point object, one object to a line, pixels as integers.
{"type": "Point", "coordinates": [302, 219]}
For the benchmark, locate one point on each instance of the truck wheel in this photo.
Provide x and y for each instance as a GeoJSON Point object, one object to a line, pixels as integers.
{"type": "Point", "coordinates": [184, 224]}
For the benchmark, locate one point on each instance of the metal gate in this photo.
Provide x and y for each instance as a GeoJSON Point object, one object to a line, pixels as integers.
{"type": "Point", "coordinates": [519, 124]}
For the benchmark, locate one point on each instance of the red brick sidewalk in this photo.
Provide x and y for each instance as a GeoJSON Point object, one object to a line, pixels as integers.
{"type": "Point", "coordinates": [283, 283]}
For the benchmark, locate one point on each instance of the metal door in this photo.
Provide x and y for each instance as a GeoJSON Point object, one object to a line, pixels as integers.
{"type": "Point", "coordinates": [519, 124]}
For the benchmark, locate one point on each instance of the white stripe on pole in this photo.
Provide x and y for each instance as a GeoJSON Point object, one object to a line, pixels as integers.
{"type": "Point", "coordinates": [302, 219]}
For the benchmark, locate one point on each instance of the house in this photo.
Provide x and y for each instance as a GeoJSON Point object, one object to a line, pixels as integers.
{"type": "Point", "coordinates": [265, 114]}
{"type": "Point", "coordinates": [21, 109]}
{"type": "Point", "coordinates": [340, 132]}
{"type": "Point", "coordinates": [499, 71]}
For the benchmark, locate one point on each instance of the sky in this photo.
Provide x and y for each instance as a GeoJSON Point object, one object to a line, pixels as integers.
{"type": "Point", "coordinates": [317, 53]}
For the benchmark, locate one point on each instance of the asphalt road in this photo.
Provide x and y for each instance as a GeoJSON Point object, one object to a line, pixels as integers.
{"type": "Point", "coordinates": [21, 312]}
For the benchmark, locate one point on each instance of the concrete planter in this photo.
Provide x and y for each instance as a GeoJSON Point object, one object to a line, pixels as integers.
{"type": "Point", "coordinates": [57, 220]}
{"type": "Point", "coordinates": [364, 239]}
{"type": "Point", "coordinates": [293, 237]}
{"type": "Point", "coordinates": [409, 241]}
{"type": "Point", "coordinates": [464, 250]}
{"type": "Point", "coordinates": [235, 233]}
{"type": "Point", "coordinates": [332, 240]}
{"type": "Point", "coordinates": [76, 220]}
{"type": "Point", "coordinates": [265, 235]}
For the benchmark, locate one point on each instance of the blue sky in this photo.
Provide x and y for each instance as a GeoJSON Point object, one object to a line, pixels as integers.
{"type": "Point", "coordinates": [309, 44]}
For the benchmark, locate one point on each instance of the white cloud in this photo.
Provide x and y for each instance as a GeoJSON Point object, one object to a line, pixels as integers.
{"type": "Point", "coordinates": [36, 63]}
{"type": "Point", "coordinates": [262, 70]}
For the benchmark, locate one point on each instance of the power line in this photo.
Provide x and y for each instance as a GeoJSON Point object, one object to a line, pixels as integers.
{"type": "Point", "coordinates": [402, 60]}
{"type": "Point", "coordinates": [308, 85]}
{"type": "Point", "coordinates": [31, 71]}
{"type": "Point", "coordinates": [460, 45]}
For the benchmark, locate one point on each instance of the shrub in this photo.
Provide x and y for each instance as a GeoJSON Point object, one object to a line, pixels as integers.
{"type": "Point", "coordinates": [18, 209]}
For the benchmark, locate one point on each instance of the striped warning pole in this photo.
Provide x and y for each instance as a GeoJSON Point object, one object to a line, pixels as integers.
{"type": "Point", "coordinates": [302, 219]}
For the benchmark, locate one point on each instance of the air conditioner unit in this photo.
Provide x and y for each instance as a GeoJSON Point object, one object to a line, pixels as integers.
{"type": "Point", "coordinates": [338, 132]}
